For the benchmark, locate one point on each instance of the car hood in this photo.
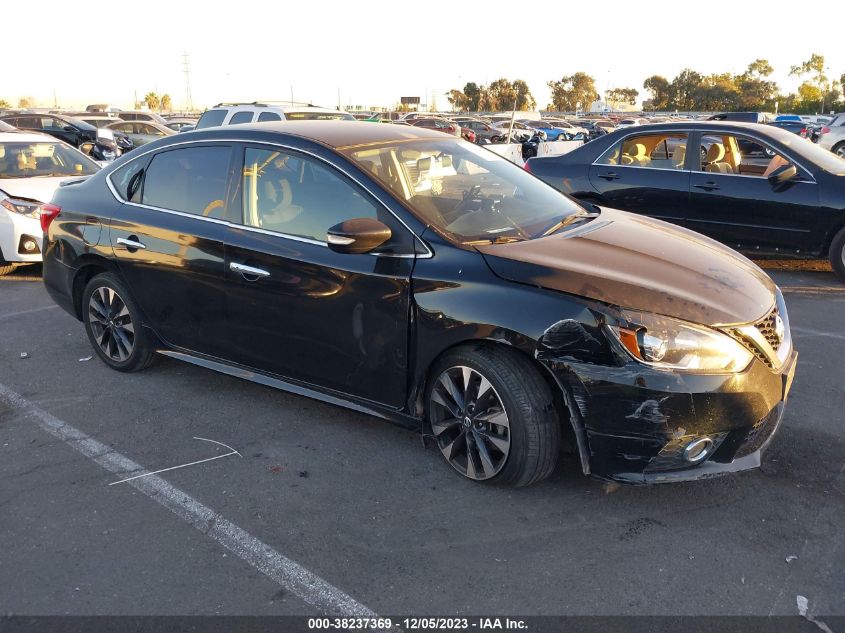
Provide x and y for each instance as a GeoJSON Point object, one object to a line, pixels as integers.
{"type": "Point", "coordinates": [40, 189]}
{"type": "Point", "coordinates": [641, 264]}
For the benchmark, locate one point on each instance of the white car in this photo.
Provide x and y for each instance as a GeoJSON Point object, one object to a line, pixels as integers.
{"type": "Point", "coordinates": [31, 168]}
{"type": "Point", "coordinates": [623, 123]}
{"type": "Point", "coordinates": [833, 135]}
{"type": "Point", "coordinates": [256, 112]}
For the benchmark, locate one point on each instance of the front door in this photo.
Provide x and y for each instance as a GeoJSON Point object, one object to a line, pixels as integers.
{"type": "Point", "coordinates": [645, 173]}
{"type": "Point", "coordinates": [168, 240]}
{"type": "Point", "coordinates": [733, 201]}
{"type": "Point", "coordinates": [301, 310]}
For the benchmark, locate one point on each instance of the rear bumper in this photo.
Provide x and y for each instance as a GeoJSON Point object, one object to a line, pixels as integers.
{"type": "Point", "coordinates": [637, 421]}
{"type": "Point", "coordinates": [58, 278]}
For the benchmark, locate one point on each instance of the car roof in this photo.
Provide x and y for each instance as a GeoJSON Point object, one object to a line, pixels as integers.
{"type": "Point", "coordinates": [335, 134]}
{"type": "Point", "coordinates": [700, 125]}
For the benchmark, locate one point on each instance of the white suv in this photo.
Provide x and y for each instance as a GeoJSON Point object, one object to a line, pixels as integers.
{"type": "Point", "coordinates": [833, 135]}
{"type": "Point", "coordinates": [234, 113]}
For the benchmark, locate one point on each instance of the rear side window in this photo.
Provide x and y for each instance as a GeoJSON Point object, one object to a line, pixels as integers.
{"type": "Point", "coordinates": [190, 180]}
{"type": "Point", "coordinates": [661, 151]}
{"type": "Point", "coordinates": [268, 116]}
{"type": "Point", "coordinates": [211, 118]}
{"type": "Point", "coordinates": [240, 117]}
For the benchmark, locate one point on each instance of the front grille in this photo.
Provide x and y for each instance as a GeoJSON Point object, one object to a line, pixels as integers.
{"type": "Point", "coordinates": [767, 329]}
{"type": "Point", "coordinates": [751, 345]}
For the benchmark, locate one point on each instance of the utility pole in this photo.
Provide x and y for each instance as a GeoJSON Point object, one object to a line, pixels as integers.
{"type": "Point", "coordinates": [186, 68]}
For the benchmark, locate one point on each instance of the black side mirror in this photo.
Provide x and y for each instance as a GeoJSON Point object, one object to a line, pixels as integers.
{"type": "Point", "coordinates": [783, 175]}
{"type": "Point", "coordinates": [86, 148]}
{"type": "Point", "coordinates": [359, 235]}
{"type": "Point", "coordinates": [69, 128]}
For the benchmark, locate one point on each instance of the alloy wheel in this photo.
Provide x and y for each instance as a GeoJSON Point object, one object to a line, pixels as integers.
{"type": "Point", "coordinates": [840, 151]}
{"type": "Point", "coordinates": [111, 324]}
{"type": "Point", "coordinates": [469, 423]}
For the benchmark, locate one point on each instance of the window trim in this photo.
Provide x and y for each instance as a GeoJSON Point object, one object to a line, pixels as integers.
{"type": "Point", "coordinates": [428, 252]}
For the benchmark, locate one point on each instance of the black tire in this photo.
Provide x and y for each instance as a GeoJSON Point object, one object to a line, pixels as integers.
{"type": "Point", "coordinates": [6, 269]}
{"type": "Point", "coordinates": [839, 149]}
{"type": "Point", "coordinates": [532, 424]}
{"type": "Point", "coordinates": [837, 255]}
{"type": "Point", "coordinates": [114, 325]}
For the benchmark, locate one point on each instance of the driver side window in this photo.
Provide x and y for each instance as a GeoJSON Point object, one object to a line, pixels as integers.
{"type": "Point", "coordinates": [290, 194]}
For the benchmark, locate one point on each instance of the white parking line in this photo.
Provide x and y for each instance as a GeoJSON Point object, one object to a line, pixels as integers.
{"type": "Point", "coordinates": [22, 312]}
{"type": "Point", "coordinates": [809, 332]}
{"type": "Point", "coordinates": [293, 577]}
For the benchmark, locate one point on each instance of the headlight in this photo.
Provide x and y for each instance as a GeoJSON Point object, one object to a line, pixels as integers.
{"type": "Point", "coordinates": [28, 208]}
{"type": "Point", "coordinates": [668, 343]}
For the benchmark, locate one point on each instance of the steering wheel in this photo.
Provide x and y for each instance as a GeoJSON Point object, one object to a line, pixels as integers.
{"type": "Point", "coordinates": [212, 206]}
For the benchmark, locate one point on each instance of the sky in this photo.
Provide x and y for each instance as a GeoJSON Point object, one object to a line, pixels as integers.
{"type": "Point", "coordinates": [372, 53]}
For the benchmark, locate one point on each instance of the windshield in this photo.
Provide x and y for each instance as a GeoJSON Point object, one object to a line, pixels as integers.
{"type": "Point", "coordinates": [820, 157]}
{"type": "Point", "coordinates": [28, 160]}
{"type": "Point", "coordinates": [467, 192]}
{"type": "Point", "coordinates": [319, 116]}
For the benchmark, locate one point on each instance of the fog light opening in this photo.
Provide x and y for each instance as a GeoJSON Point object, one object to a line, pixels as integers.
{"type": "Point", "coordinates": [698, 450]}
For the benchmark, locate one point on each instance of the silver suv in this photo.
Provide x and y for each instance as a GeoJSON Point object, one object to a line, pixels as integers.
{"type": "Point", "coordinates": [833, 135]}
{"type": "Point", "coordinates": [255, 112]}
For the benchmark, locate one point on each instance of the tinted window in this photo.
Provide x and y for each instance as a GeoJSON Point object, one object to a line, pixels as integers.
{"type": "Point", "coordinates": [240, 117]}
{"type": "Point", "coordinates": [211, 118]}
{"type": "Point", "coordinates": [268, 116]}
{"type": "Point", "coordinates": [192, 180]}
{"type": "Point", "coordinates": [294, 195]}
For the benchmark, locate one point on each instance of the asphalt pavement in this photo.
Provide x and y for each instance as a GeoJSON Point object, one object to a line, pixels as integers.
{"type": "Point", "coordinates": [318, 494]}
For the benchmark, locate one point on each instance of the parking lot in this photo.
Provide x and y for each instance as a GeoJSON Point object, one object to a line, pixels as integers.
{"type": "Point", "coordinates": [359, 504]}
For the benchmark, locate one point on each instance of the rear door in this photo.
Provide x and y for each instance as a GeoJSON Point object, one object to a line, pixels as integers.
{"type": "Point", "coordinates": [645, 173]}
{"type": "Point", "coordinates": [301, 310]}
{"type": "Point", "coordinates": [168, 238]}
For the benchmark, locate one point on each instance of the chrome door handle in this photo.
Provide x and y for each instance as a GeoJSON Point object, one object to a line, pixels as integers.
{"type": "Point", "coordinates": [248, 270]}
{"type": "Point", "coordinates": [611, 175]}
{"type": "Point", "coordinates": [130, 243]}
{"type": "Point", "coordinates": [707, 186]}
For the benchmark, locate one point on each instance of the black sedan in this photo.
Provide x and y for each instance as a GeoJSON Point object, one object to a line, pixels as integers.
{"type": "Point", "coordinates": [70, 130]}
{"type": "Point", "coordinates": [414, 276]}
{"type": "Point", "coordinates": [755, 187]}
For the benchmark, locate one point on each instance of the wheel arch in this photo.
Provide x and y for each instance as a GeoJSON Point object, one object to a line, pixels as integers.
{"type": "Point", "coordinates": [831, 235]}
{"type": "Point", "coordinates": [571, 422]}
{"type": "Point", "coordinates": [90, 265]}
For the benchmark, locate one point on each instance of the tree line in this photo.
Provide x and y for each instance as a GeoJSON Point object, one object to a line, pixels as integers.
{"type": "Point", "coordinates": [689, 91]}
{"type": "Point", "coordinates": [152, 100]}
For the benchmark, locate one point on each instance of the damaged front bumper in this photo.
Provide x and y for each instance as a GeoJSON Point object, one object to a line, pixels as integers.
{"type": "Point", "coordinates": [636, 424]}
